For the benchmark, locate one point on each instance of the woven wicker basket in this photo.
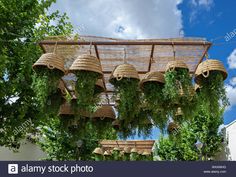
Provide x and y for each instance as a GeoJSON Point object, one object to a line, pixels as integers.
{"type": "Point", "coordinates": [62, 88]}
{"type": "Point", "coordinates": [134, 150]}
{"type": "Point", "coordinates": [140, 152]}
{"type": "Point", "coordinates": [146, 153]}
{"type": "Point", "coordinates": [179, 112]}
{"type": "Point", "coordinates": [205, 68]}
{"type": "Point", "coordinates": [51, 61]}
{"type": "Point", "coordinates": [105, 112]}
{"type": "Point", "coordinates": [172, 127]}
{"type": "Point", "coordinates": [100, 85]}
{"type": "Point", "coordinates": [127, 150]}
{"type": "Point", "coordinates": [172, 65]}
{"type": "Point", "coordinates": [66, 109]}
{"type": "Point", "coordinates": [116, 124]}
{"type": "Point", "coordinates": [107, 153]}
{"type": "Point", "coordinates": [98, 151]}
{"type": "Point", "coordinates": [116, 149]}
{"type": "Point", "coordinates": [124, 71]}
{"type": "Point", "coordinates": [197, 87]}
{"type": "Point", "coordinates": [152, 77]}
{"type": "Point", "coordinates": [190, 91]}
{"type": "Point", "coordinates": [87, 63]}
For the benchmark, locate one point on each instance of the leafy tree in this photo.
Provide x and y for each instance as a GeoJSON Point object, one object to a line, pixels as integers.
{"type": "Point", "coordinates": [181, 144]}
{"type": "Point", "coordinates": [61, 144]}
{"type": "Point", "coordinates": [23, 23]}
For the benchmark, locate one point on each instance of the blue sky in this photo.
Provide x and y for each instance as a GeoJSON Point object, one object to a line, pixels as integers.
{"type": "Point", "coordinates": [214, 22]}
{"type": "Point", "coordinates": [211, 19]}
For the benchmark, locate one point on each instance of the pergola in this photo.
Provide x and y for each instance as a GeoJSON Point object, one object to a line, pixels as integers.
{"type": "Point", "coordinates": [140, 145]}
{"type": "Point", "coordinates": [145, 55]}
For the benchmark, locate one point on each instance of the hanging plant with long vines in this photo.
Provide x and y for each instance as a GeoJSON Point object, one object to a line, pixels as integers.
{"type": "Point", "coordinates": [153, 99]}
{"type": "Point", "coordinates": [49, 70]}
{"type": "Point", "coordinates": [87, 69]}
{"type": "Point", "coordinates": [210, 75]}
{"type": "Point", "coordinates": [126, 82]}
{"type": "Point", "coordinates": [179, 92]}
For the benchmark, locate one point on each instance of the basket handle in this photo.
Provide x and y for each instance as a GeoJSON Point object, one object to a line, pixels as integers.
{"type": "Point", "coordinates": [119, 77]}
{"type": "Point", "coordinates": [171, 67]}
{"type": "Point", "coordinates": [50, 66]}
{"type": "Point", "coordinates": [63, 91]}
{"type": "Point", "coordinates": [207, 71]}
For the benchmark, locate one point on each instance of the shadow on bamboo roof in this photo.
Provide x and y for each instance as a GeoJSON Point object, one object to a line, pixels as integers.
{"type": "Point", "coordinates": [144, 54]}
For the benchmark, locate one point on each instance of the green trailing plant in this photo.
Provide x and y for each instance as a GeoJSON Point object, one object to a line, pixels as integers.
{"type": "Point", "coordinates": [212, 94]}
{"type": "Point", "coordinates": [45, 84]}
{"type": "Point", "coordinates": [178, 92]}
{"type": "Point", "coordinates": [155, 103]}
{"type": "Point", "coordinates": [87, 94]}
{"type": "Point", "coordinates": [129, 102]}
{"type": "Point", "coordinates": [134, 156]}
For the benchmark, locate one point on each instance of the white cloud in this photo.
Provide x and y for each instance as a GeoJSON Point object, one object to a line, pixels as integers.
{"type": "Point", "coordinates": [124, 19]}
{"type": "Point", "coordinates": [233, 81]}
{"type": "Point", "coordinates": [206, 4]}
{"type": "Point", "coordinates": [232, 60]}
{"type": "Point", "coordinates": [199, 5]}
{"type": "Point", "coordinates": [231, 94]}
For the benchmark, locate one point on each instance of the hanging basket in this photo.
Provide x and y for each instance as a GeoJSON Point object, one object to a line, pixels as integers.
{"type": "Point", "coordinates": [146, 153]}
{"type": "Point", "coordinates": [116, 149]}
{"type": "Point", "coordinates": [105, 112]}
{"type": "Point", "coordinates": [179, 112]}
{"type": "Point", "coordinates": [124, 71]}
{"type": "Point", "coordinates": [87, 63]}
{"type": "Point", "coordinates": [134, 150]}
{"type": "Point", "coordinates": [140, 152]}
{"type": "Point", "coordinates": [172, 127]}
{"type": "Point", "coordinates": [99, 86]}
{"type": "Point", "coordinates": [176, 64]}
{"type": "Point", "coordinates": [153, 77]}
{"type": "Point", "coordinates": [98, 151]}
{"type": "Point", "coordinates": [197, 87]}
{"type": "Point", "coordinates": [67, 109]}
{"type": "Point", "coordinates": [50, 61]}
{"type": "Point", "coordinates": [62, 88]}
{"type": "Point", "coordinates": [205, 68]}
{"type": "Point", "coordinates": [190, 91]}
{"type": "Point", "coordinates": [116, 124]}
{"type": "Point", "coordinates": [107, 153]}
{"type": "Point", "coordinates": [127, 150]}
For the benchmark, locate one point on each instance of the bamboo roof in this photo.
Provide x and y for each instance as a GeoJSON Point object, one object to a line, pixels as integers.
{"type": "Point", "coordinates": [144, 54]}
{"type": "Point", "coordinates": [138, 144]}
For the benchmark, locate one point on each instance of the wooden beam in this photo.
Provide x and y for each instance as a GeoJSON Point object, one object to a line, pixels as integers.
{"type": "Point", "coordinates": [96, 51]}
{"type": "Point", "coordinates": [202, 57]}
{"type": "Point", "coordinates": [151, 58]}
{"type": "Point", "coordinates": [125, 43]}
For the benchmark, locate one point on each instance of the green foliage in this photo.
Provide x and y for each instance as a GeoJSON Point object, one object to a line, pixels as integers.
{"type": "Point", "coordinates": [212, 94]}
{"type": "Point", "coordinates": [181, 145]}
{"type": "Point", "coordinates": [45, 84]}
{"type": "Point", "coordinates": [61, 143]}
{"type": "Point", "coordinates": [128, 107]}
{"type": "Point", "coordinates": [178, 92]}
{"type": "Point", "coordinates": [128, 91]}
{"type": "Point", "coordinates": [85, 86]}
{"type": "Point", "coordinates": [155, 103]}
